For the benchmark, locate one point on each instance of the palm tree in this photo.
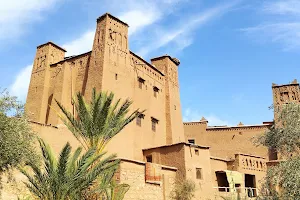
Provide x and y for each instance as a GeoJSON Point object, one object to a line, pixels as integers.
{"type": "Point", "coordinates": [67, 177]}
{"type": "Point", "coordinates": [98, 122]}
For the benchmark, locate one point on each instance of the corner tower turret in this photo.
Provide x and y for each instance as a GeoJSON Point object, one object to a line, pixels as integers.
{"type": "Point", "coordinates": [287, 93]}
{"type": "Point", "coordinates": [174, 124]}
{"type": "Point", "coordinates": [37, 98]}
{"type": "Point", "coordinates": [110, 51]}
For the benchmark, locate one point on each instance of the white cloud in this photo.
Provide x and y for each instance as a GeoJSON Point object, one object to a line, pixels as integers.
{"type": "Point", "coordinates": [132, 13]}
{"type": "Point", "coordinates": [80, 45]}
{"type": "Point", "coordinates": [181, 33]}
{"type": "Point", "coordinates": [190, 115]}
{"type": "Point", "coordinates": [283, 7]}
{"type": "Point", "coordinates": [20, 86]}
{"type": "Point", "coordinates": [282, 25]}
{"type": "Point", "coordinates": [286, 34]}
{"type": "Point", "coordinates": [137, 19]}
{"type": "Point", "coordinates": [16, 14]}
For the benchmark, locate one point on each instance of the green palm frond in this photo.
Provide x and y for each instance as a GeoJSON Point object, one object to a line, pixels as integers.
{"type": "Point", "coordinates": [99, 120]}
{"type": "Point", "coordinates": [70, 175]}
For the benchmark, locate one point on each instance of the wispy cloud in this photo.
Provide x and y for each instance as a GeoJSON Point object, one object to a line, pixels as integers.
{"type": "Point", "coordinates": [80, 45]}
{"type": "Point", "coordinates": [132, 13]}
{"type": "Point", "coordinates": [16, 14]}
{"type": "Point", "coordinates": [141, 22]}
{"type": "Point", "coordinates": [282, 25]}
{"type": "Point", "coordinates": [190, 115]}
{"type": "Point", "coordinates": [20, 86]}
{"type": "Point", "coordinates": [283, 7]}
{"type": "Point", "coordinates": [181, 34]}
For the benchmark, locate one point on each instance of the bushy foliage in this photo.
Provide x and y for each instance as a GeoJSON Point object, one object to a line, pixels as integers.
{"type": "Point", "coordinates": [284, 135]}
{"type": "Point", "coordinates": [183, 190]}
{"type": "Point", "coordinates": [283, 180]}
{"type": "Point", "coordinates": [16, 137]}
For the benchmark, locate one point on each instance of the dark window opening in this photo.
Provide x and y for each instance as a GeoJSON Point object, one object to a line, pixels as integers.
{"type": "Point", "coordinates": [272, 154]}
{"type": "Point", "coordinates": [197, 152]}
{"type": "Point", "coordinates": [199, 173]}
{"type": "Point", "coordinates": [139, 119]}
{"type": "Point", "coordinates": [149, 158]}
{"type": "Point", "coordinates": [238, 188]}
{"type": "Point", "coordinates": [223, 184]}
{"type": "Point", "coordinates": [155, 91]}
{"type": "Point", "coordinates": [250, 185]}
{"type": "Point", "coordinates": [116, 76]}
{"type": "Point", "coordinates": [154, 122]}
{"type": "Point", "coordinates": [141, 82]}
{"type": "Point", "coordinates": [191, 141]}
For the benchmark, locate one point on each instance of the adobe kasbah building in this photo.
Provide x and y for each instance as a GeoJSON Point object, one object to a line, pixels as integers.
{"type": "Point", "coordinates": [157, 148]}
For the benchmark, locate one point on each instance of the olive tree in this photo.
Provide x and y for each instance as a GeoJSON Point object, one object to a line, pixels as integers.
{"type": "Point", "coordinates": [16, 136]}
{"type": "Point", "coordinates": [283, 179]}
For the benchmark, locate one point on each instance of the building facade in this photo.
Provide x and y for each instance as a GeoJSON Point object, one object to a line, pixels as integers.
{"type": "Point", "coordinates": [158, 148]}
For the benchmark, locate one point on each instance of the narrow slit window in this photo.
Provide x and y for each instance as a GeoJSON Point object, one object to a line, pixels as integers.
{"type": "Point", "coordinates": [155, 91]}
{"type": "Point", "coordinates": [154, 123]}
{"type": "Point", "coordinates": [149, 158]}
{"type": "Point", "coordinates": [199, 173]}
{"type": "Point", "coordinates": [191, 141]}
{"type": "Point", "coordinates": [116, 76]}
{"type": "Point", "coordinates": [141, 82]}
{"type": "Point", "coordinates": [139, 119]}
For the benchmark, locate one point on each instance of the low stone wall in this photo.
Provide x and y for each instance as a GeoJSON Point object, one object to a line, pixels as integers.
{"type": "Point", "coordinates": [133, 174]}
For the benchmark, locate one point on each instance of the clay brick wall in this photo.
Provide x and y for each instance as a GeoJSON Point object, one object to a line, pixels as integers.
{"type": "Point", "coordinates": [199, 161]}
{"type": "Point", "coordinates": [37, 98]}
{"type": "Point", "coordinates": [173, 114]}
{"type": "Point", "coordinates": [133, 173]}
{"type": "Point", "coordinates": [225, 142]}
{"type": "Point", "coordinates": [172, 155]}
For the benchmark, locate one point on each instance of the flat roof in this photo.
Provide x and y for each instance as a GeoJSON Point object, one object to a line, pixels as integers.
{"type": "Point", "coordinates": [195, 122]}
{"type": "Point", "coordinates": [143, 163]}
{"type": "Point", "coordinates": [244, 126]}
{"type": "Point", "coordinates": [183, 143]}
{"type": "Point", "coordinates": [113, 17]}
{"type": "Point", "coordinates": [71, 57]}
{"type": "Point", "coordinates": [250, 155]}
{"type": "Point", "coordinates": [291, 84]}
{"type": "Point", "coordinates": [221, 159]}
{"type": "Point", "coordinates": [57, 46]}
{"type": "Point", "coordinates": [147, 63]}
{"type": "Point", "coordinates": [165, 56]}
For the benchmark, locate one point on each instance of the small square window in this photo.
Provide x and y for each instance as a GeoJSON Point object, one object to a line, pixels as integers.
{"type": "Point", "coordinates": [155, 91]}
{"type": "Point", "coordinates": [191, 141]}
{"type": "Point", "coordinates": [149, 158]}
{"type": "Point", "coordinates": [197, 152]}
{"type": "Point", "coordinates": [141, 82]}
{"type": "Point", "coordinates": [139, 119]}
{"type": "Point", "coordinates": [199, 173]}
{"type": "Point", "coordinates": [154, 122]}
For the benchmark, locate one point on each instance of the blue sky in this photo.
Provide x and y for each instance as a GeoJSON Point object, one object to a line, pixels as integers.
{"type": "Point", "coordinates": [231, 51]}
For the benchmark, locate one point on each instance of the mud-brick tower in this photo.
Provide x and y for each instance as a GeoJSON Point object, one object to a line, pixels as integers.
{"type": "Point", "coordinates": [174, 124]}
{"type": "Point", "coordinates": [110, 54]}
{"type": "Point", "coordinates": [37, 98]}
{"type": "Point", "coordinates": [283, 94]}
